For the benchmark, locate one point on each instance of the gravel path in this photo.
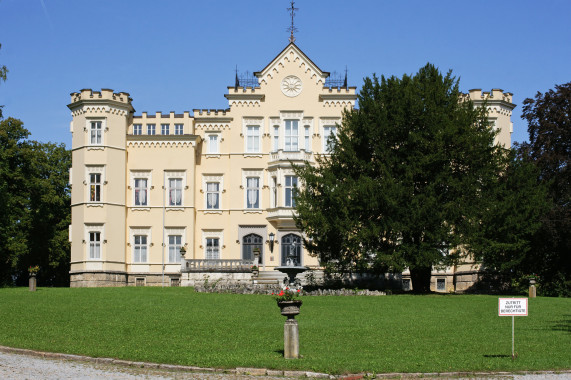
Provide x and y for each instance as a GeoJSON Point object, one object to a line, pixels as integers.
{"type": "Point", "coordinates": [18, 366]}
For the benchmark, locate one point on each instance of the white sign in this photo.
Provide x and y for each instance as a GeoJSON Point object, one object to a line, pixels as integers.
{"type": "Point", "coordinates": [512, 307]}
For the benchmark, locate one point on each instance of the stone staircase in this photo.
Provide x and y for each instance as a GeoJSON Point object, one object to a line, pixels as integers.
{"type": "Point", "coordinates": [270, 277]}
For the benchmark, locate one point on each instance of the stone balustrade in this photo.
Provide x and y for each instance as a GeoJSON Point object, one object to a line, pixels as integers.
{"type": "Point", "coordinates": [213, 265]}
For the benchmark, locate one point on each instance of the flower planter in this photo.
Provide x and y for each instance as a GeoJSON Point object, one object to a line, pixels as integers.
{"type": "Point", "coordinates": [290, 308]}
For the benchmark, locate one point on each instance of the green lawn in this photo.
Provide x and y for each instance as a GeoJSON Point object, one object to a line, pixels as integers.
{"type": "Point", "coordinates": [403, 333]}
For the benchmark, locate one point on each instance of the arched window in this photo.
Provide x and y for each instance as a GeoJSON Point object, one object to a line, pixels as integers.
{"type": "Point", "coordinates": [291, 244]}
{"type": "Point", "coordinates": [249, 242]}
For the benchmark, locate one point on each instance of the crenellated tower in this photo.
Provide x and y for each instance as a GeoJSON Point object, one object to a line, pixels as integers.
{"type": "Point", "coordinates": [99, 129]}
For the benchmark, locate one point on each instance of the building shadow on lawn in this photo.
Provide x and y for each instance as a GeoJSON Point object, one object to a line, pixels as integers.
{"type": "Point", "coordinates": [563, 324]}
{"type": "Point", "coordinates": [497, 356]}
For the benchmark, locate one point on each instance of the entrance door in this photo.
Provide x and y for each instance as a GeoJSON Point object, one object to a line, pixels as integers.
{"type": "Point", "coordinates": [249, 242]}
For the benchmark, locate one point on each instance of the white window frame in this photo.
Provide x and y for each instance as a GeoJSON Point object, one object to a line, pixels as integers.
{"type": "Point", "coordinates": [174, 231]}
{"type": "Point", "coordinates": [206, 235]}
{"type": "Point", "coordinates": [89, 170]}
{"type": "Point", "coordinates": [252, 174]}
{"type": "Point", "coordinates": [165, 129]}
{"type": "Point", "coordinates": [151, 127]}
{"type": "Point", "coordinates": [275, 138]}
{"type": "Point", "coordinates": [102, 127]}
{"type": "Point", "coordinates": [174, 175]}
{"type": "Point", "coordinates": [141, 174]}
{"type": "Point", "coordinates": [252, 130]}
{"type": "Point", "coordinates": [292, 137]}
{"type": "Point", "coordinates": [94, 228]}
{"type": "Point", "coordinates": [324, 123]}
{"type": "Point", "coordinates": [213, 148]}
{"type": "Point", "coordinates": [290, 188]}
{"type": "Point", "coordinates": [137, 129]}
{"type": "Point", "coordinates": [307, 138]}
{"type": "Point", "coordinates": [140, 231]}
{"type": "Point", "coordinates": [179, 129]}
{"type": "Point", "coordinates": [328, 130]}
{"type": "Point", "coordinates": [206, 179]}
{"type": "Point", "coordinates": [274, 192]}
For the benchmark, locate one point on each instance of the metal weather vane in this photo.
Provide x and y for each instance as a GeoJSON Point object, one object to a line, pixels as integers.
{"type": "Point", "coordinates": [292, 29]}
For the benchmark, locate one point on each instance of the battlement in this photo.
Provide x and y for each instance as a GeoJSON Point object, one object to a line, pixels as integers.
{"type": "Point", "coordinates": [495, 95]}
{"type": "Point", "coordinates": [104, 94]}
{"type": "Point", "coordinates": [211, 112]}
{"type": "Point", "coordinates": [340, 90]}
{"type": "Point", "coordinates": [247, 90]}
{"type": "Point", "coordinates": [160, 115]}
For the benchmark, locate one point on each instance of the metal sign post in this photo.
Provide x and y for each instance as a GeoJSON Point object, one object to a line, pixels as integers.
{"type": "Point", "coordinates": [514, 307]}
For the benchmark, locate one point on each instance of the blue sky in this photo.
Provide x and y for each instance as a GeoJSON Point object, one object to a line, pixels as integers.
{"type": "Point", "coordinates": [181, 55]}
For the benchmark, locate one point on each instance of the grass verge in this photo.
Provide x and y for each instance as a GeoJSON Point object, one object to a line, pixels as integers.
{"type": "Point", "coordinates": [405, 333]}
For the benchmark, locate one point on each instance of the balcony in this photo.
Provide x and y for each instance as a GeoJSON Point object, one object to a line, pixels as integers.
{"type": "Point", "coordinates": [282, 217]}
{"type": "Point", "coordinates": [283, 155]}
{"type": "Point", "coordinates": [211, 265]}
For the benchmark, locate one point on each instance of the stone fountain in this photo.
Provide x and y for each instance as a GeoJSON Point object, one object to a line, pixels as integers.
{"type": "Point", "coordinates": [292, 268]}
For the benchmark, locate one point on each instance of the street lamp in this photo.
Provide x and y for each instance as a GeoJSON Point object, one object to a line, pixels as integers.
{"type": "Point", "coordinates": [272, 237]}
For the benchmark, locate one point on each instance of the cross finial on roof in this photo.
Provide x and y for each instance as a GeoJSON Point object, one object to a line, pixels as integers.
{"type": "Point", "coordinates": [292, 29]}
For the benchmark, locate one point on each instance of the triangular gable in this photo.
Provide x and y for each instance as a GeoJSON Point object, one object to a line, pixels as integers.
{"type": "Point", "coordinates": [284, 55]}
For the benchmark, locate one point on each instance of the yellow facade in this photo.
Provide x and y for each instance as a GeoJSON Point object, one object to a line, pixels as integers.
{"type": "Point", "coordinates": [216, 182]}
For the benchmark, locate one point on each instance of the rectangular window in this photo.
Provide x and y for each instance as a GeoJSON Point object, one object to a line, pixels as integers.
{"type": "Point", "coordinates": [175, 243]}
{"type": "Point", "coordinates": [212, 249]}
{"type": "Point", "coordinates": [441, 284]}
{"type": "Point", "coordinates": [150, 129]}
{"type": "Point", "coordinates": [212, 195]}
{"type": "Point", "coordinates": [252, 192]}
{"type": "Point", "coordinates": [275, 191]}
{"type": "Point", "coordinates": [307, 139]}
{"type": "Point", "coordinates": [276, 138]}
{"type": "Point", "coordinates": [175, 191]}
{"type": "Point", "coordinates": [95, 133]}
{"type": "Point", "coordinates": [329, 131]}
{"type": "Point", "coordinates": [290, 186]}
{"type": "Point", "coordinates": [165, 129]}
{"type": "Point", "coordinates": [291, 136]}
{"type": "Point", "coordinates": [213, 144]}
{"type": "Point", "coordinates": [140, 249]}
{"type": "Point", "coordinates": [95, 187]}
{"type": "Point", "coordinates": [95, 245]}
{"type": "Point", "coordinates": [137, 129]}
{"type": "Point", "coordinates": [178, 129]}
{"type": "Point", "coordinates": [140, 192]}
{"type": "Point", "coordinates": [252, 139]}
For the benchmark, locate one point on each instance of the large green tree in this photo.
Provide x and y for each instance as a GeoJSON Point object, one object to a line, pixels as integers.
{"type": "Point", "coordinates": [34, 197]}
{"type": "Point", "coordinates": [403, 186]}
{"type": "Point", "coordinates": [549, 126]}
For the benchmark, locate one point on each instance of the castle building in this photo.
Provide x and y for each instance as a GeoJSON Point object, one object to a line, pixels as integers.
{"type": "Point", "coordinates": [214, 185]}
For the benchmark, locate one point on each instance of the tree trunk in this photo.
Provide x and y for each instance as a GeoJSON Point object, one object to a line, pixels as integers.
{"type": "Point", "coordinates": [420, 277]}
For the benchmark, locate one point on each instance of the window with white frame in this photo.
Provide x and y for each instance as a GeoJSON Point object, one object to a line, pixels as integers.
{"type": "Point", "coordinates": [175, 243]}
{"type": "Point", "coordinates": [94, 240]}
{"type": "Point", "coordinates": [307, 139]}
{"type": "Point", "coordinates": [95, 187]}
{"type": "Point", "coordinates": [137, 129]}
{"type": "Point", "coordinates": [95, 179]}
{"type": "Point", "coordinates": [141, 191]}
{"type": "Point", "coordinates": [213, 195]}
{"type": "Point", "coordinates": [274, 192]}
{"type": "Point", "coordinates": [175, 191]}
{"type": "Point", "coordinates": [151, 129]}
{"type": "Point", "coordinates": [276, 138]}
{"type": "Point", "coordinates": [253, 139]}
{"type": "Point", "coordinates": [212, 249]}
{"type": "Point", "coordinates": [140, 248]}
{"type": "Point", "coordinates": [213, 143]}
{"type": "Point", "coordinates": [94, 245]}
{"type": "Point", "coordinates": [329, 133]}
{"type": "Point", "coordinates": [165, 129]}
{"type": "Point", "coordinates": [96, 132]}
{"type": "Point", "coordinates": [290, 188]}
{"type": "Point", "coordinates": [178, 129]}
{"type": "Point", "coordinates": [291, 135]}
{"type": "Point", "coordinates": [253, 192]}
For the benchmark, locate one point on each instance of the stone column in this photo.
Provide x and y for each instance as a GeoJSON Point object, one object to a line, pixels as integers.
{"type": "Point", "coordinates": [532, 290]}
{"type": "Point", "coordinates": [32, 283]}
{"type": "Point", "coordinates": [291, 339]}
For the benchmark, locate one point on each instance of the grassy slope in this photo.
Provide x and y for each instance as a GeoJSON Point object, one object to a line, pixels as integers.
{"type": "Point", "coordinates": [337, 334]}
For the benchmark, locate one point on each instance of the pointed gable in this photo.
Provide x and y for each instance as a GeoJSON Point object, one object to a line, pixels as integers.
{"type": "Point", "coordinates": [291, 54]}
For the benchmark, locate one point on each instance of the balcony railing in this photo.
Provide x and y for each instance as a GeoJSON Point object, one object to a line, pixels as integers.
{"type": "Point", "coordinates": [211, 265]}
{"type": "Point", "coordinates": [283, 155]}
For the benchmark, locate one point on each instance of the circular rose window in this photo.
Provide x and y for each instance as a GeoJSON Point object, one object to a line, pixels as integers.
{"type": "Point", "coordinates": [291, 86]}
